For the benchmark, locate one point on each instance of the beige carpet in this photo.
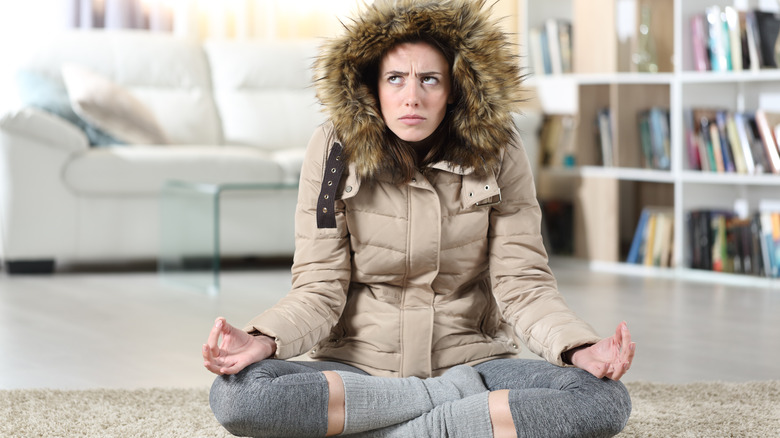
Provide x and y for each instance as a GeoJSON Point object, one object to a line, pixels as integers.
{"type": "Point", "coordinates": [692, 410]}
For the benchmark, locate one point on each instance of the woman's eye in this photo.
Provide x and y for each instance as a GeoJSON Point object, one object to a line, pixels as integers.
{"type": "Point", "coordinates": [430, 80]}
{"type": "Point", "coordinates": [395, 79]}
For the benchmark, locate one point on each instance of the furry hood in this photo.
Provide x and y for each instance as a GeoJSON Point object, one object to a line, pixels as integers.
{"type": "Point", "coordinates": [485, 76]}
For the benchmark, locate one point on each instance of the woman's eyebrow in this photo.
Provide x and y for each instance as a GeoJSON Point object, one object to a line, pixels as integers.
{"type": "Point", "coordinates": [405, 73]}
{"type": "Point", "coordinates": [396, 73]}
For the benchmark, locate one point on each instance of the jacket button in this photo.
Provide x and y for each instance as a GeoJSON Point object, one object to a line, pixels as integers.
{"type": "Point", "coordinates": [348, 189]}
{"type": "Point", "coordinates": [326, 196]}
{"type": "Point", "coordinates": [414, 180]}
{"type": "Point", "coordinates": [487, 187]}
{"type": "Point", "coordinates": [324, 210]}
{"type": "Point", "coordinates": [471, 194]}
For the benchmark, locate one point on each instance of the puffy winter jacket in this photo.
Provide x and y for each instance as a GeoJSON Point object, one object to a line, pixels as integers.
{"type": "Point", "coordinates": [419, 277]}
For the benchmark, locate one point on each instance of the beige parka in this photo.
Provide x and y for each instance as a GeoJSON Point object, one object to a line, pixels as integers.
{"type": "Point", "coordinates": [445, 269]}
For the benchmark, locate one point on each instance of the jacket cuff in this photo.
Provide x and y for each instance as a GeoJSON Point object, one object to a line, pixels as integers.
{"type": "Point", "coordinates": [555, 353]}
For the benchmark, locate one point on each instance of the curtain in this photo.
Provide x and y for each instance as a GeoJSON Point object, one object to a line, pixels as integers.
{"type": "Point", "coordinates": [121, 14]}
{"type": "Point", "coordinates": [216, 18]}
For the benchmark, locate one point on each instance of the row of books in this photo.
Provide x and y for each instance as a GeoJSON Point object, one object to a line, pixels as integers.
{"type": "Point", "coordinates": [551, 47]}
{"type": "Point", "coordinates": [654, 238]}
{"type": "Point", "coordinates": [654, 137]}
{"type": "Point", "coordinates": [719, 240]}
{"type": "Point", "coordinates": [728, 39]}
{"type": "Point", "coordinates": [724, 141]}
{"type": "Point", "coordinates": [723, 242]}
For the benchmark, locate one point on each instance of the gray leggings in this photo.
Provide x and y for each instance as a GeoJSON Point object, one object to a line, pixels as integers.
{"type": "Point", "coordinates": [276, 398]}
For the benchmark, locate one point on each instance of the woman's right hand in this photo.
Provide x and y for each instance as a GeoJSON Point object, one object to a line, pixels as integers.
{"type": "Point", "coordinates": [237, 350]}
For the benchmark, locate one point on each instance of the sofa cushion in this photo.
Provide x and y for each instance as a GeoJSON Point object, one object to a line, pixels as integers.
{"type": "Point", "coordinates": [142, 170]}
{"type": "Point", "coordinates": [263, 92]}
{"type": "Point", "coordinates": [110, 107]}
{"type": "Point", "coordinates": [169, 74]}
{"type": "Point", "coordinates": [40, 91]}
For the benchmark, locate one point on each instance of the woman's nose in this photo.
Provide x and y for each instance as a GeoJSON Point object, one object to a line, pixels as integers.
{"type": "Point", "coordinates": [412, 97]}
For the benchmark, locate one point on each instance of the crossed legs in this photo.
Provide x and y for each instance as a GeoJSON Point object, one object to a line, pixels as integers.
{"type": "Point", "coordinates": [526, 399]}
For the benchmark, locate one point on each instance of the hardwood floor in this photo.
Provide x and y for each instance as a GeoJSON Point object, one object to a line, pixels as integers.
{"type": "Point", "coordinates": [77, 330]}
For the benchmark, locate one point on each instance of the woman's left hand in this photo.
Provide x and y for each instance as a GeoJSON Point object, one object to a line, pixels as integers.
{"type": "Point", "coordinates": [611, 357]}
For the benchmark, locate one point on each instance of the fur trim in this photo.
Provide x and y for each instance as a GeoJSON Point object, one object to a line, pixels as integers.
{"type": "Point", "coordinates": [486, 75]}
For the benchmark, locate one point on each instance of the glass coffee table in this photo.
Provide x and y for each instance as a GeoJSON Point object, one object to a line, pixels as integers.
{"type": "Point", "coordinates": [190, 231]}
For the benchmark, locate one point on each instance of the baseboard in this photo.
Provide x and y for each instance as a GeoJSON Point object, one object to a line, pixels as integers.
{"type": "Point", "coordinates": [27, 267]}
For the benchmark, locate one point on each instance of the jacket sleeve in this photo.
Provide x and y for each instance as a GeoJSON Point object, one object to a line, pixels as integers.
{"type": "Point", "coordinates": [523, 283]}
{"type": "Point", "coordinates": [320, 272]}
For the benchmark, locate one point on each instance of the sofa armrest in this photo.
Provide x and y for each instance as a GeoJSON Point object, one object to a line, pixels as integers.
{"type": "Point", "coordinates": [291, 161]}
{"type": "Point", "coordinates": [38, 213]}
{"type": "Point", "coordinates": [44, 128]}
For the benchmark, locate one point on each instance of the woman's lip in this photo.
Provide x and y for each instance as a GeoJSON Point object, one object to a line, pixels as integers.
{"type": "Point", "coordinates": [412, 119]}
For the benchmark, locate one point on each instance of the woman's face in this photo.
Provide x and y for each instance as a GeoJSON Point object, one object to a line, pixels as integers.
{"type": "Point", "coordinates": [414, 89]}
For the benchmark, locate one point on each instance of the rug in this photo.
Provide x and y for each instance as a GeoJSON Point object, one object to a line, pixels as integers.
{"type": "Point", "coordinates": [660, 410]}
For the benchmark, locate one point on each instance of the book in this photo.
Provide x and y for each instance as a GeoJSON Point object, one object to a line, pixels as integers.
{"type": "Point", "coordinates": [703, 119]}
{"type": "Point", "coordinates": [725, 143]}
{"type": "Point", "coordinates": [768, 25]}
{"type": "Point", "coordinates": [647, 258]}
{"type": "Point", "coordinates": [644, 140]}
{"type": "Point", "coordinates": [655, 138]}
{"type": "Point", "coordinates": [735, 37]}
{"type": "Point", "coordinates": [766, 122]}
{"type": "Point", "coordinates": [554, 45]}
{"type": "Point", "coordinates": [701, 59]}
{"type": "Point", "coordinates": [760, 157]}
{"type": "Point", "coordinates": [565, 42]}
{"type": "Point", "coordinates": [699, 229]}
{"type": "Point", "coordinates": [756, 246]}
{"type": "Point", "coordinates": [740, 153]}
{"type": "Point", "coordinates": [640, 236]}
{"type": "Point", "coordinates": [717, 148]}
{"type": "Point", "coordinates": [718, 249]}
{"type": "Point", "coordinates": [718, 39]}
{"type": "Point", "coordinates": [691, 141]}
{"type": "Point", "coordinates": [753, 41]}
{"type": "Point", "coordinates": [664, 236]}
{"type": "Point", "coordinates": [770, 239]}
{"type": "Point", "coordinates": [745, 142]}
{"type": "Point", "coordinates": [743, 36]}
{"type": "Point", "coordinates": [557, 142]}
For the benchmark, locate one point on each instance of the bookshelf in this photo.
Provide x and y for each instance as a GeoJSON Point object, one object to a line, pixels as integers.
{"type": "Point", "coordinates": [608, 200]}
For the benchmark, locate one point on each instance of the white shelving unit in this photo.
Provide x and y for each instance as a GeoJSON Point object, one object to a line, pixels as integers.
{"type": "Point", "coordinates": [677, 86]}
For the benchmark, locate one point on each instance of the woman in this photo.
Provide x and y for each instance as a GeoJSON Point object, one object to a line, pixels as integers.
{"type": "Point", "coordinates": [419, 260]}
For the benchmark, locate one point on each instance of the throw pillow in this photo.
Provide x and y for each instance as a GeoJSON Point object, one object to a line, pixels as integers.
{"type": "Point", "coordinates": [44, 92]}
{"type": "Point", "coordinates": [110, 107]}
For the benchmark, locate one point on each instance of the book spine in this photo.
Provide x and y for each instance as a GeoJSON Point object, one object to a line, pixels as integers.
{"type": "Point", "coordinates": [719, 59]}
{"type": "Point", "coordinates": [701, 59]}
{"type": "Point", "coordinates": [725, 144]}
{"type": "Point", "coordinates": [741, 128]}
{"type": "Point", "coordinates": [768, 138]}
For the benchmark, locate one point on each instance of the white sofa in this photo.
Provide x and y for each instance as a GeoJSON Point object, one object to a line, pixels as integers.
{"type": "Point", "coordinates": [231, 111]}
